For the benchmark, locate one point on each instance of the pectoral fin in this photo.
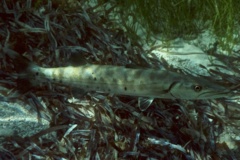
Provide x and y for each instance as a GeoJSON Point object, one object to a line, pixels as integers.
{"type": "Point", "coordinates": [144, 103]}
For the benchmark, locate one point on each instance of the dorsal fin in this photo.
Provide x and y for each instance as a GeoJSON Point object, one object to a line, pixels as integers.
{"type": "Point", "coordinates": [77, 59]}
{"type": "Point", "coordinates": [134, 66]}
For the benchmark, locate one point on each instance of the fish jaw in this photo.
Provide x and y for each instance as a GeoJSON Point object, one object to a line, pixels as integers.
{"type": "Point", "coordinates": [192, 88]}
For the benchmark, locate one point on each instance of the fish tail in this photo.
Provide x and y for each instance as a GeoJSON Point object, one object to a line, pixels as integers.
{"type": "Point", "coordinates": [21, 64]}
{"type": "Point", "coordinates": [23, 69]}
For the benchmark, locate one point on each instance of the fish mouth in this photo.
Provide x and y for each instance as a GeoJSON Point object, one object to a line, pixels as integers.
{"type": "Point", "coordinates": [214, 94]}
{"type": "Point", "coordinates": [222, 91]}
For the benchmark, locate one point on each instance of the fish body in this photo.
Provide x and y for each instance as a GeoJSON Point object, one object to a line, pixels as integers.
{"type": "Point", "coordinates": [120, 80]}
{"type": "Point", "coordinates": [110, 79]}
{"type": "Point", "coordinates": [151, 83]}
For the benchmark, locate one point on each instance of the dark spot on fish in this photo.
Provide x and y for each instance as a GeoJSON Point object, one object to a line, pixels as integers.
{"type": "Point", "coordinates": [37, 73]}
{"type": "Point", "coordinates": [109, 72]}
{"type": "Point", "coordinates": [125, 88]}
{"type": "Point", "coordinates": [138, 74]}
{"type": "Point", "coordinates": [152, 75]}
{"type": "Point", "coordinates": [94, 78]}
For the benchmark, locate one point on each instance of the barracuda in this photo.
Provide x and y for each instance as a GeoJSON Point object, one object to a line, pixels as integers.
{"type": "Point", "coordinates": [120, 80]}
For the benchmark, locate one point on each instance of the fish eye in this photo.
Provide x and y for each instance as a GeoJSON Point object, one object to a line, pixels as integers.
{"type": "Point", "coordinates": [197, 88]}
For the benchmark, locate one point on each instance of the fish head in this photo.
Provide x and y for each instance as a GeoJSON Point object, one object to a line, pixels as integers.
{"type": "Point", "coordinates": [193, 88]}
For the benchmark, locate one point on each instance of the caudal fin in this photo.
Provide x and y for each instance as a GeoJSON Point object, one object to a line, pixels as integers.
{"type": "Point", "coordinates": [22, 69]}
{"type": "Point", "coordinates": [19, 62]}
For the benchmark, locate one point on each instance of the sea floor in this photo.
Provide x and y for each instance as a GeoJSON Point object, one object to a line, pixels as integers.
{"type": "Point", "coordinates": [51, 121]}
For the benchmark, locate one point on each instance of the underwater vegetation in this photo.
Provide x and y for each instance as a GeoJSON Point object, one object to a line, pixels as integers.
{"type": "Point", "coordinates": [174, 19]}
{"type": "Point", "coordinates": [94, 125]}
